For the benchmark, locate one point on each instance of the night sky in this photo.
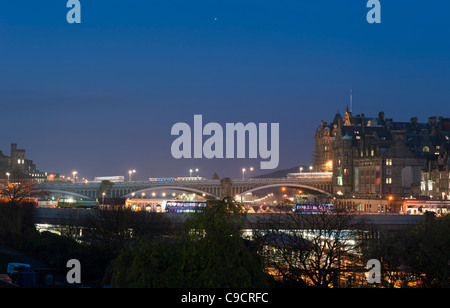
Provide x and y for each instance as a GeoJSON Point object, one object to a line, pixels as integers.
{"type": "Point", "coordinates": [101, 97]}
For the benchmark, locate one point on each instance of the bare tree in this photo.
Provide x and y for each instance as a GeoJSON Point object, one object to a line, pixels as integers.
{"type": "Point", "coordinates": [115, 227]}
{"type": "Point", "coordinates": [16, 191]}
{"type": "Point", "coordinates": [309, 249]}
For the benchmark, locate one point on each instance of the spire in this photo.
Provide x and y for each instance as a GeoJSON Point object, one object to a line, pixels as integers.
{"type": "Point", "coordinates": [348, 116]}
{"type": "Point", "coordinates": [351, 101]}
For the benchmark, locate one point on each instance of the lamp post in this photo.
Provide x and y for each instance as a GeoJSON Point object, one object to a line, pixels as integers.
{"type": "Point", "coordinates": [134, 175]}
{"type": "Point", "coordinates": [103, 197]}
{"type": "Point", "coordinates": [74, 173]}
{"type": "Point", "coordinates": [190, 173]}
{"type": "Point", "coordinates": [8, 174]}
{"type": "Point", "coordinates": [196, 170]}
{"type": "Point", "coordinates": [129, 175]}
{"type": "Point", "coordinates": [390, 198]}
{"type": "Point", "coordinates": [243, 173]}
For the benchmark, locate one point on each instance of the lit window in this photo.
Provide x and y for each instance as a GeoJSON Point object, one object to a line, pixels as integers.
{"type": "Point", "coordinates": [388, 180]}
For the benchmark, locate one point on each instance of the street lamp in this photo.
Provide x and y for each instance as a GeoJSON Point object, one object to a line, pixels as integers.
{"type": "Point", "coordinates": [8, 174]}
{"type": "Point", "coordinates": [134, 175]}
{"type": "Point", "coordinates": [196, 170]}
{"type": "Point", "coordinates": [74, 173]}
{"type": "Point", "coordinates": [243, 173]}
{"type": "Point", "coordinates": [129, 175]}
{"type": "Point", "coordinates": [103, 197]}
{"type": "Point", "coordinates": [390, 198]}
{"type": "Point", "coordinates": [190, 172]}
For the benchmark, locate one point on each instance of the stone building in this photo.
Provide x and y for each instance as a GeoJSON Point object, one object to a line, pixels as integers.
{"type": "Point", "coordinates": [16, 165]}
{"type": "Point", "coordinates": [323, 150]}
{"type": "Point", "coordinates": [435, 177]}
{"type": "Point", "coordinates": [377, 157]}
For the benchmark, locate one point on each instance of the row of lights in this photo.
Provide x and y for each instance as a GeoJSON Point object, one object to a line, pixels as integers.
{"type": "Point", "coordinates": [163, 194]}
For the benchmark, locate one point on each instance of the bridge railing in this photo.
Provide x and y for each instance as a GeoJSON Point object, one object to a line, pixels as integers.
{"type": "Point", "coordinates": [284, 179]}
{"type": "Point", "coordinates": [297, 177]}
{"type": "Point", "coordinates": [134, 183]}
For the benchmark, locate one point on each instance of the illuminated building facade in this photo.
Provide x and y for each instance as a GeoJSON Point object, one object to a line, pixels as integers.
{"type": "Point", "coordinates": [377, 157]}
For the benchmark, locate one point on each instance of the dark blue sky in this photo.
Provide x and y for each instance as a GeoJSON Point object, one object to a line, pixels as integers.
{"type": "Point", "coordinates": [100, 97]}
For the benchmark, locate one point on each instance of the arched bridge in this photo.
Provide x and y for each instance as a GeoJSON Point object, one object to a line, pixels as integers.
{"type": "Point", "coordinates": [315, 183]}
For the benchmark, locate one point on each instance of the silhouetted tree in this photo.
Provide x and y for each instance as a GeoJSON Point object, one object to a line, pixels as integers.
{"type": "Point", "coordinates": [210, 252]}
{"type": "Point", "coordinates": [16, 192]}
{"type": "Point", "coordinates": [115, 227]}
{"type": "Point", "coordinates": [423, 251]}
{"type": "Point", "coordinates": [308, 249]}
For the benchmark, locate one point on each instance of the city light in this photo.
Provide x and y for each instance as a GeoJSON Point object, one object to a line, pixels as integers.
{"type": "Point", "coordinates": [165, 88]}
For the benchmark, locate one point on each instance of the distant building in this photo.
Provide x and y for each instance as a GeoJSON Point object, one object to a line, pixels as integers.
{"type": "Point", "coordinates": [377, 157]}
{"type": "Point", "coordinates": [17, 165]}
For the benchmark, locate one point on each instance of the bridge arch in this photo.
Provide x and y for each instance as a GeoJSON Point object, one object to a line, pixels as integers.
{"type": "Point", "coordinates": [180, 188]}
{"type": "Point", "coordinates": [291, 185]}
{"type": "Point", "coordinates": [69, 193]}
